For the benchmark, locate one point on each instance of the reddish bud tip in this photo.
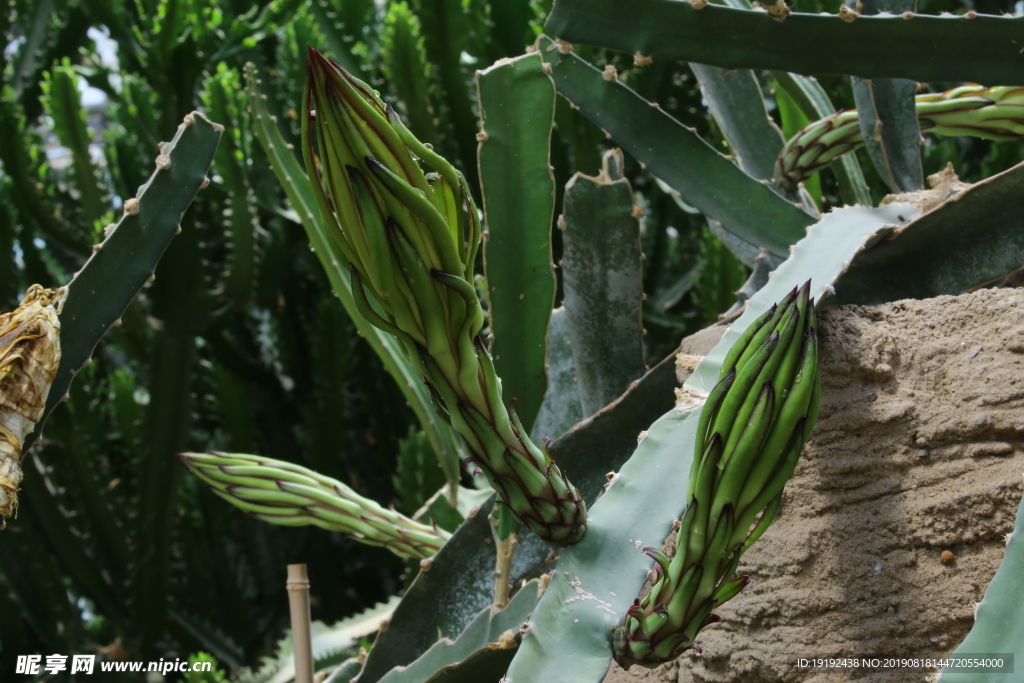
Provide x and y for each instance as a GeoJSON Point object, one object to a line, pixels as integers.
{"type": "Point", "coordinates": [314, 56]}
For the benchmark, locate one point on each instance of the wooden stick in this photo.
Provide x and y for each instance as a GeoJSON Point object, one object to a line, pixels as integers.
{"type": "Point", "coordinates": [298, 601]}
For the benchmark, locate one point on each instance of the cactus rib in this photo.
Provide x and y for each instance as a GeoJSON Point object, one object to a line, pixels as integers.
{"type": "Point", "coordinates": [126, 259]}
{"type": "Point", "coordinates": [516, 100]}
{"type": "Point", "coordinates": [804, 43]}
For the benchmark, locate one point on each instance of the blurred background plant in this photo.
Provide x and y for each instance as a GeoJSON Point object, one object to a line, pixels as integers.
{"type": "Point", "coordinates": [239, 344]}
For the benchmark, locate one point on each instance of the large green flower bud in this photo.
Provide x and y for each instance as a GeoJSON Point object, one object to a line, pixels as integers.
{"type": "Point", "coordinates": [282, 493]}
{"type": "Point", "coordinates": [749, 437]}
{"type": "Point", "coordinates": [404, 219]}
{"type": "Point", "coordinates": [992, 113]}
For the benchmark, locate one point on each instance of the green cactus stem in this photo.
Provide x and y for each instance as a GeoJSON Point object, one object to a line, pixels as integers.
{"type": "Point", "coordinates": [279, 492]}
{"type": "Point", "coordinates": [126, 259]}
{"type": "Point", "coordinates": [804, 43]}
{"type": "Point", "coordinates": [517, 104]}
{"type": "Point", "coordinates": [63, 102]}
{"type": "Point", "coordinates": [601, 273]}
{"type": "Point", "coordinates": [748, 441]}
{"type": "Point", "coordinates": [992, 113]}
{"type": "Point", "coordinates": [486, 644]}
{"type": "Point", "coordinates": [225, 99]}
{"type": "Point", "coordinates": [674, 153]}
{"type": "Point", "coordinates": [888, 117]}
{"type": "Point", "coordinates": [411, 240]}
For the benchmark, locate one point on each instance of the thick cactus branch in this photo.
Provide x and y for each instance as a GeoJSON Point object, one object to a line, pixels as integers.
{"type": "Point", "coordinates": [517, 105]}
{"type": "Point", "coordinates": [492, 634]}
{"type": "Point", "coordinates": [674, 153]}
{"type": "Point", "coordinates": [887, 117]}
{"type": "Point", "coordinates": [601, 267]}
{"type": "Point", "coordinates": [126, 259]}
{"type": "Point", "coordinates": [63, 101]}
{"type": "Point", "coordinates": [736, 102]}
{"type": "Point", "coordinates": [987, 47]}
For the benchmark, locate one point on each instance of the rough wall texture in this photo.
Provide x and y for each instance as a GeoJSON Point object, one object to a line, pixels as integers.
{"type": "Point", "coordinates": [917, 451]}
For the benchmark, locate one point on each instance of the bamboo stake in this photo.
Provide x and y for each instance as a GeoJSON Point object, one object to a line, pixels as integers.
{"type": "Point", "coordinates": [298, 601]}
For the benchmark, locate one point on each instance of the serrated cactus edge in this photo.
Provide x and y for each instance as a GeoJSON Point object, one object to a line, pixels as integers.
{"type": "Point", "coordinates": [126, 259]}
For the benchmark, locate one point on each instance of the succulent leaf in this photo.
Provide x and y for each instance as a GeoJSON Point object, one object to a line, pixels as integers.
{"type": "Point", "coordinates": [125, 261]}
{"type": "Point", "coordinates": [517, 106]}
{"type": "Point", "coordinates": [601, 274]}
{"type": "Point", "coordinates": [803, 43]}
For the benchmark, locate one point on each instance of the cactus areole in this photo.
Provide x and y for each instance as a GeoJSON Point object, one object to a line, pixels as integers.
{"type": "Point", "coordinates": [404, 220]}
